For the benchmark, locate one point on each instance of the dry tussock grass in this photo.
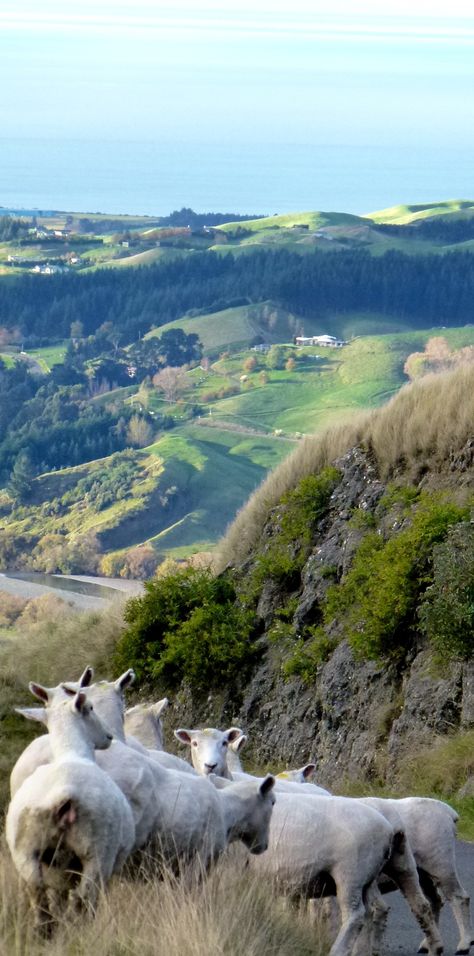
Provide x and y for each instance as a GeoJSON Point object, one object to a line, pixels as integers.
{"type": "Point", "coordinates": [417, 430]}
{"type": "Point", "coordinates": [230, 912]}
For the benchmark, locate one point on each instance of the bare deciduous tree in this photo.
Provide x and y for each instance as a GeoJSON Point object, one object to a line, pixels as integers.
{"type": "Point", "coordinates": [171, 381]}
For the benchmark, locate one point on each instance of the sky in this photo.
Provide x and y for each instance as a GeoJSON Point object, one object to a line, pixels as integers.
{"type": "Point", "coordinates": [305, 71]}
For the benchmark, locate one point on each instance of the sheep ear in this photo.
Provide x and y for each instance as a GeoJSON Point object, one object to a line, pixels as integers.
{"type": "Point", "coordinates": [160, 706]}
{"type": "Point", "coordinates": [184, 736]}
{"type": "Point", "coordinates": [233, 733]}
{"type": "Point", "coordinates": [267, 785]}
{"type": "Point", "coordinates": [70, 691]}
{"type": "Point", "coordinates": [39, 691]}
{"type": "Point", "coordinates": [239, 743]}
{"type": "Point", "coordinates": [85, 679]}
{"type": "Point", "coordinates": [32, 713]}
{"type": "Point", "coordinates": [79, 701]}
{"type": "Point", "coordinates": [125, 680]}
{"type": "Point", "coordinates": [308, 770]}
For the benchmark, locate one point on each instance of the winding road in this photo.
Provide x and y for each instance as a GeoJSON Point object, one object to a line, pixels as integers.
{"type": "Point", "coordinates": [403, 936]}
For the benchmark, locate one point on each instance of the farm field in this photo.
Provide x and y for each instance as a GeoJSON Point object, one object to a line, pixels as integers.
{"type": "Point", "coordinates": [230, 428]}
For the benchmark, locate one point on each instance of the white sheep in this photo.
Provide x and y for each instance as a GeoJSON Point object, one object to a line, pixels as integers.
{"type": "Point", "coordinates": [143, 722]}
{"type": "Point", "coordinates": [327, 846]}
{"type": "Point", "coordinates": [430, 827]}
{"type": "Point", "coordinates": [144, 731]}
{"type": "Point", "coordinates": [209, 748]}
{"type": "Point", "coordinates": [181, 814]}
{"type": "Point", "coordinates": [210, 751]}
{"type": "Point", "coordinates": [68, 827]}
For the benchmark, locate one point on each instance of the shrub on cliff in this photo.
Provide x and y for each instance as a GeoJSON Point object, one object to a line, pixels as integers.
{"type": "Point", "coordinates": [187, 626]}
{"type": "Point", "coordinates": [377, 600]}
{"type": "Point", "coordinates": [447, 609]}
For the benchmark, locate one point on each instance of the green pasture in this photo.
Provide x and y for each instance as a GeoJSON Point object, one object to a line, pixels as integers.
{"type": "Point", "coordinates": [235, 327]}
{"type": "Point", "coordinates": [49, 356]}
{"type": "Point", "coordinates": [403, 214]}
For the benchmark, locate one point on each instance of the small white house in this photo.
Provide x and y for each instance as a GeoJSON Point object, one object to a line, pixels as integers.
{"type": "Point", "coordinates": [326, 341]}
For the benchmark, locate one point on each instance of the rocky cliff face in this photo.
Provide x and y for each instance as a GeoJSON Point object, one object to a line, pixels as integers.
{"type": "Point", "coordinates": [358, 718]}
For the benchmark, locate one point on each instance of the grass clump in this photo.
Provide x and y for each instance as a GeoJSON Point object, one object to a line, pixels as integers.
{"type": "Point", "coordinates": [376, 602]}
{"type": "Point", "coordinates": [307, 654]}
{"type": "Point", "coordinates": [188, 625]}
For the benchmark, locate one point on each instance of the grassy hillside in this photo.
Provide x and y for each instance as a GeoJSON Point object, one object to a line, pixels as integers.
{"type": "Point", "coordinates": [230, 429]}
{"type": "Point", "coordinates": [404, 214]}
{"type": "Point", "coordinates": [239, 326]}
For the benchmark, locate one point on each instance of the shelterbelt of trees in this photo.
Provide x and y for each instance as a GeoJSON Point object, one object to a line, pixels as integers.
{"type": "Point", "coordinates": [426, 289]}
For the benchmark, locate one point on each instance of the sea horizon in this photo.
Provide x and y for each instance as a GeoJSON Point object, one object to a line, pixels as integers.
{"type": "Point", "coordinates": [148, 177]}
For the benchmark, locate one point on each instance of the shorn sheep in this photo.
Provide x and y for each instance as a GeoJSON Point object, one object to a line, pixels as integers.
{"type": "Point", "coordinates": [143, 723]}
{"type": "Point", "coordinates": [430, 826]}
{"type": "Point", "coordinates": [68, 826]}
{"type": "Point", "coordinates": [178, 815]}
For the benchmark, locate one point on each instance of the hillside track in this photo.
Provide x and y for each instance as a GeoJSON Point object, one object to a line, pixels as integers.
{"type": "Point", "coordinates": [403, 936]}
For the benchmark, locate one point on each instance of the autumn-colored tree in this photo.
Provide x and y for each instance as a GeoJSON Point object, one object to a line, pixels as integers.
{"type": "Point", "coordinates": [139, 432]}
{"type": "Point", "coordinates": [290, 364]}
{"type": "Point", "coordinates": [171, 381]}
{"type": "Point", "coordinates": [263, 377]}
{"type": "Point", "coordinates": [250, 364]}
{"type": "Point", "coordinates": [140, 562]}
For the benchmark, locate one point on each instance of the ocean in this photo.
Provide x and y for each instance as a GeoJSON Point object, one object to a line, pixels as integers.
{"type": "Point", "coordinates": [153, 178]}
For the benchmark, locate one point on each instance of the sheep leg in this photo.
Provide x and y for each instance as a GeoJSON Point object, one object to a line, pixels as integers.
{"type": "Point", "coordinates": [353, 917]}
{"type": "Point", "coordinates": [401, 868]}
{"type": "Point", "coordinates": [84, 896]}
{"type": "Point", "coordinates": [378, 913]}
{"type": "Point", "coordinates": [430, 891]}
{"type": "Point", "coordinates": [459, 901]}
{"type": "Point", "coordinates": [43, 920]}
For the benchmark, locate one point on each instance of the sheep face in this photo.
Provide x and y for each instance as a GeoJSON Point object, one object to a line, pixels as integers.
{"type": "Point", "coordinates": [209, 748]}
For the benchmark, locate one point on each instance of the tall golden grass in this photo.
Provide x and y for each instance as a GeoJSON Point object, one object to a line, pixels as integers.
{"type": "Point", "coordinates": [415, 431]}
{"type": "Point", "coordinates": [229, 912]}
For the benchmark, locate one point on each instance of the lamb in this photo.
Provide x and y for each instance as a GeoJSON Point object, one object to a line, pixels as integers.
{"type": "Point", "coordinates": [68, 827]}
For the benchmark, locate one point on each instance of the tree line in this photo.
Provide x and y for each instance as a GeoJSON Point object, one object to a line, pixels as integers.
{"type": "Point", "coordinates": [427, 289]}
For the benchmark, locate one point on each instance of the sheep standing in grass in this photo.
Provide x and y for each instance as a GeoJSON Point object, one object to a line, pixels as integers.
{"type": "Point", "coordinates": [69, 827]}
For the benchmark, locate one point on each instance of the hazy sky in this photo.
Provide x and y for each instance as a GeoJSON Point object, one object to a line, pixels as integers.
{"type": "Point", "coordinates": [315, 71]}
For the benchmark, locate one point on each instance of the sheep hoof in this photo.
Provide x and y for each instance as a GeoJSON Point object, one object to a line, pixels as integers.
{"type": "Point", "coordinates": [423, 949]}
{"type": "Point", "coordinates": [462, 952]}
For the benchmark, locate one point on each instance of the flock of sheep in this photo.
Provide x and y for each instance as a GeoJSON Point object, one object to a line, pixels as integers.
{"type": "Point", "coordinates": [98, 788]}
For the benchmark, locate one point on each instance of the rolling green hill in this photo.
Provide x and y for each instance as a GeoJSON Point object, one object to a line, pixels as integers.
{"type": "Point", "coordinates": [404, 214]}
{"type": "Point", "coordinates": [238, 326]}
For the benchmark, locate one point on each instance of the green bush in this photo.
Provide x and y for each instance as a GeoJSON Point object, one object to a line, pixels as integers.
{"type": "Point", "coordinates": [188, 626]}
{"type": "Point", "coordinates": [447, 609]}
{"type": "Point", "coordinates": [377, 600]}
